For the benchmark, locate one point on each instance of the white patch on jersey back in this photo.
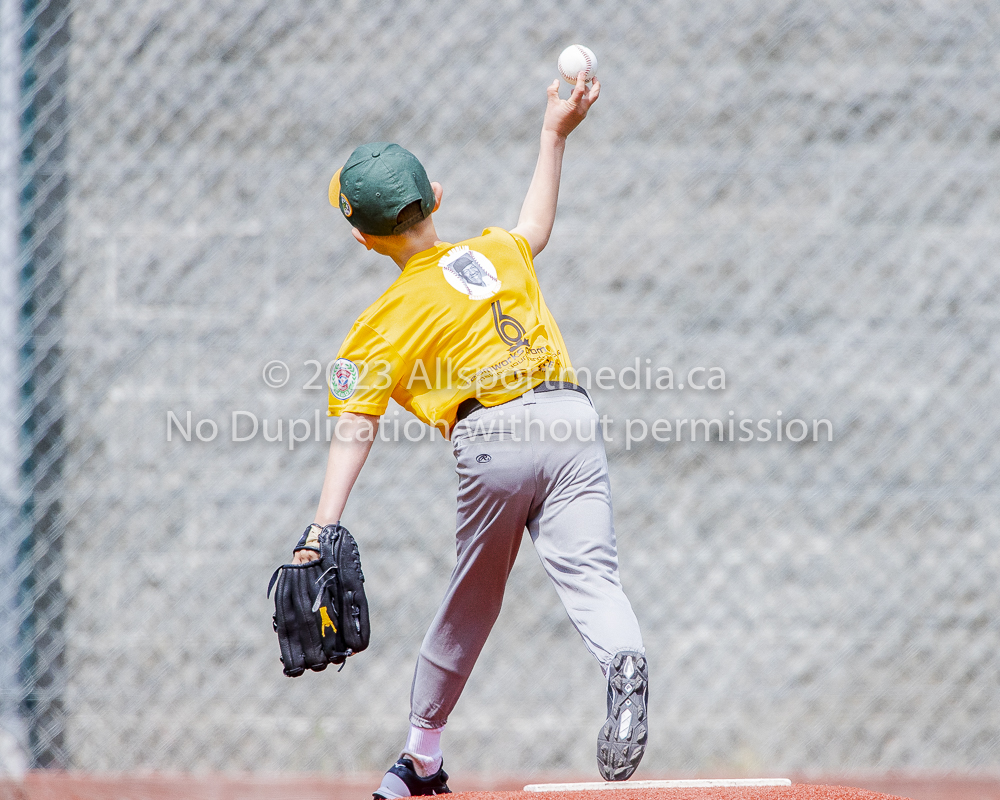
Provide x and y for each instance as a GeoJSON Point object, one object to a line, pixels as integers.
{"type": "Point", "coordinates": [470, 272]}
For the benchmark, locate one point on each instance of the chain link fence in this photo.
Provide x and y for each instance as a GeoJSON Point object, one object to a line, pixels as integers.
{"type": "Point", "coordinates": [800, 197]}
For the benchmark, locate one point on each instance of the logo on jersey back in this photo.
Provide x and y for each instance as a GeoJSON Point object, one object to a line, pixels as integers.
{"type": "Point", "coordinates": [470, 272]}
{"type": "Point", "coordinates": [343, 378]}
{"type": "Point", "coordinates": [508, 329]}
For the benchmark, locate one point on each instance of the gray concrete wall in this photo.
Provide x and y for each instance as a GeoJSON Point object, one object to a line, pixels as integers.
{"type": "Point", "coordinates": [802, 194]}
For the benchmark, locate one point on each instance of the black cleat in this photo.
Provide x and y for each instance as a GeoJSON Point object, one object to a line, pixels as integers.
{"type": "Point", "coordinates": [402, 781]}
{"type": "Point", "coordinates": [622, 740]}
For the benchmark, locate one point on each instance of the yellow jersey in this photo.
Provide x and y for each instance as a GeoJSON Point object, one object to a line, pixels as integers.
{"type": "Point", "coordinates": [462, 320]}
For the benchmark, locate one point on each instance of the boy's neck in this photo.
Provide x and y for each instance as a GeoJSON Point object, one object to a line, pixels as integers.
{"type": "Point", "coordinates": [409, 246]}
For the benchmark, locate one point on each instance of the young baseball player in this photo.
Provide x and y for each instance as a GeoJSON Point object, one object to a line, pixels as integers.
{"type": "Point", "coordinates": [529, 451]}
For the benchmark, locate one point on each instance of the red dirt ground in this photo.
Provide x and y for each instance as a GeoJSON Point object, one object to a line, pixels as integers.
{"type": "Point", "coordinates": [76, 786]}
{"type": "Point", "coordinates": [800, 791]}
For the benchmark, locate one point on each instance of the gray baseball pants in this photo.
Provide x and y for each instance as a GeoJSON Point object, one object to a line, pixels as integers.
{"type": "Point", "coordinates": [514, 473]}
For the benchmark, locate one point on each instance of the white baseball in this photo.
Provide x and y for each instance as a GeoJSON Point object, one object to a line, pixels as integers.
{"type": "Point", "coordinates": [576, 59]}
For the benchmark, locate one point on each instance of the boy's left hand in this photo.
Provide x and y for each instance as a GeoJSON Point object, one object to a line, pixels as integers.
{"type": "Point", "coordinates": [562, 116]}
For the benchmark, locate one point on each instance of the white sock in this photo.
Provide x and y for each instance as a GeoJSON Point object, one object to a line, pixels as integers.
{"type": "Point", "coordinates": [424, 745]}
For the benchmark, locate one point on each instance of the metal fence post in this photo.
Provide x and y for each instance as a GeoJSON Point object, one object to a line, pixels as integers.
{"type": "Point", "coordinates": [13, 735]}
{"type": "Point", "coordinates": [43, 188]}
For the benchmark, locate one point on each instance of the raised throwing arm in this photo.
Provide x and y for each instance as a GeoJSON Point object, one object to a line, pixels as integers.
{"type": "Point", "coordinates": [538, 213]}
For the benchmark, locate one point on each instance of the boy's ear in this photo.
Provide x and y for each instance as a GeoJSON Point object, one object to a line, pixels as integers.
{"type": "Point", "coordinates": [438, 190]}
{"type": "Point", "coordinates": [362, 238]}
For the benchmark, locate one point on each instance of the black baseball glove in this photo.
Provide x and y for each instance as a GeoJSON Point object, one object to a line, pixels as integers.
{"type": "Point", "coordinates": [320, 608]}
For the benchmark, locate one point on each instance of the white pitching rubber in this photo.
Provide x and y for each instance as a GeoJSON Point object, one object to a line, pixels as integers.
{"type": "Point", "coordinates": [710, 783]}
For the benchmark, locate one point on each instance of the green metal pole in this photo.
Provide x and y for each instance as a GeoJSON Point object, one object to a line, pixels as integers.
{"type": "Point", "coordinates": [43, 189]}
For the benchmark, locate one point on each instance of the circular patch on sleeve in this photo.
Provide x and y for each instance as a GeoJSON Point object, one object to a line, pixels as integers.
{"type": "Point", "coordinates": [345, 205]}
{"type": "Point", "coordinates": [471, 273]}
{"type": "Point", "coordinates": [343, 378]}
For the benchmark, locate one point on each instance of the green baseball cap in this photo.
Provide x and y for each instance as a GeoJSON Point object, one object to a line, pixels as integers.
{"type": "Point", "coordinates": [378, 181]}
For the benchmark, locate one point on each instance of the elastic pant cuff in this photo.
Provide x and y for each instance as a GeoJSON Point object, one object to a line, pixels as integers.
{"type": "Point", "coordinates": [430, 724]}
